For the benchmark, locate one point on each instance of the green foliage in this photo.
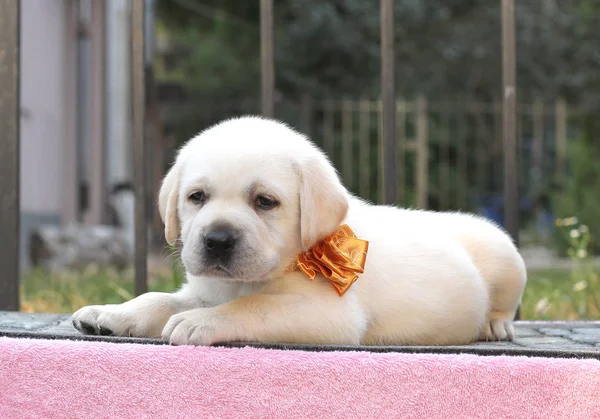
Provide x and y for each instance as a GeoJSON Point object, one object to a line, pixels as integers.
{"type": "Point", "coordinates": [555, 295]}
{"type": "Point", "coordinates": [442, 47]}
{"type": "Point", "coordinates": [574, 295]}
{"type": "Point", "coordinates": [580, 193]}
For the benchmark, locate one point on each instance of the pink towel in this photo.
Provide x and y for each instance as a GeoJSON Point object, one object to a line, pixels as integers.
{"type": "Point", "coordinates": [70, 379]}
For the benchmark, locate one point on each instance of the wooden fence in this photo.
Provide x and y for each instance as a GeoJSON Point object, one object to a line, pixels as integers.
{"type": "Point", "coordinates": [447, 152]}
{"type": "Point", "coordinates": [387, 184]}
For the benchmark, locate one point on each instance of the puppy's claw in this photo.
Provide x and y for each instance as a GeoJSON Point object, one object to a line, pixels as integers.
{"type": "Point", "coordinates": [87, 328]}
{"type": "Point", "coordinates": [104, 331]}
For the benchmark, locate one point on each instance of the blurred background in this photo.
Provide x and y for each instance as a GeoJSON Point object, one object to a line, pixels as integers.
{"type": "Point", "coordinates": [203, 65]}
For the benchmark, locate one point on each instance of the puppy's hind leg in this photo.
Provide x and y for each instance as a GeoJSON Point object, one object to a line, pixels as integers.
{"type": "Point", "coordinates": [506, 293]}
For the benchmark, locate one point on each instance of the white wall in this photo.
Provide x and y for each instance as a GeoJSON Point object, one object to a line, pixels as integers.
{"type": "Point", "coordinates": [43, 127]}
{"type": "Point", "coordinates": [48, 153]}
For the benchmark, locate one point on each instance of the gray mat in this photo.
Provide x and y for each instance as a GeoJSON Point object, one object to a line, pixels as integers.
{"type": "Point", "coordinates": [539, 339]}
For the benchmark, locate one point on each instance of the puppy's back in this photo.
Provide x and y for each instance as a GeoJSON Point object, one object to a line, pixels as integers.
{"type": "Point", "coordinates": [491, 249]}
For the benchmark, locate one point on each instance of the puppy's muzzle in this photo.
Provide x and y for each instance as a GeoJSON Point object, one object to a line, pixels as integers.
{"type": "Point", "coordinates": [220, 243]}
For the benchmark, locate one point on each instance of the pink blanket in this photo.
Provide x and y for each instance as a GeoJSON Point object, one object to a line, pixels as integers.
{"type": "Point", "coordinates": [68, 379]}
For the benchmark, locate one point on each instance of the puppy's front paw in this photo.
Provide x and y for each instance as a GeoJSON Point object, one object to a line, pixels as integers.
{"type": "Point", "coordinates": [106, 320]}
{"type": "Point", "coordinates": [194, 327]}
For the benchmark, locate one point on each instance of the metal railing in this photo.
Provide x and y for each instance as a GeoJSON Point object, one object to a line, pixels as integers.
{"type": "Point", "coordinates": [9, 129]}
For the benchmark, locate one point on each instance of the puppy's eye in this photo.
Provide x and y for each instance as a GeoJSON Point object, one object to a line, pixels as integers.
{"type": "Point", "coordinates": [197, 197]}
{"type": "Point", "coordinates": [266, 203]}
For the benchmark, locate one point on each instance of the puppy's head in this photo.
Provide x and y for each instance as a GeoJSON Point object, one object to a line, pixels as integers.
{"type": "Point", "coordinates": [246, 196]}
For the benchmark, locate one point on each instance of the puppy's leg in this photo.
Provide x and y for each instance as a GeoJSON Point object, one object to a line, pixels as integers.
{"type": "Point", "coordinates": [288, 318]}
{"type": "Point", "coordinates": [144, 316]}
{"type": "Point", "coordinates": [505, 299]}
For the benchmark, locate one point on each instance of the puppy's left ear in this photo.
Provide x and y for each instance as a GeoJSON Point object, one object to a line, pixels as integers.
{"type": "Point", "coordinates": [323, 199]}
{"type": "Point", "coordinates": [168, 198]}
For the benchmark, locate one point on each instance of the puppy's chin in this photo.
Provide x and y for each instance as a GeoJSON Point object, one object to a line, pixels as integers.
{"type": "Point", "coordinates": [218, 272]}
{"type": "Point", "coordinates": [251, 272]}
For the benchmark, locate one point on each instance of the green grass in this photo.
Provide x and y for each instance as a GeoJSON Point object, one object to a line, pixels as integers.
{"type": "Point", "coordinates": [570, 294]}
{"type": "Point", "coordinates": [69, 291]}
{"type": "Point", "coordinates": [562, 295]}
{"type": "Point", "coordinates": [549, 295]}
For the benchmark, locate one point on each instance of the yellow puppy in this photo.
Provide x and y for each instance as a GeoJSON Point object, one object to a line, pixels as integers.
{"type": "Point", "coordinates": [249, 195]}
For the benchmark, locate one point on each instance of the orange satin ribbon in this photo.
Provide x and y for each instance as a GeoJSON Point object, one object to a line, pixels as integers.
{"type": "Point", "coordinates": [339, 257]}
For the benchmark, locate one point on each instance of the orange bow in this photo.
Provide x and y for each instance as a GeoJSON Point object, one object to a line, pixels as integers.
{"type": "Point", "coordinates": [340, 257]}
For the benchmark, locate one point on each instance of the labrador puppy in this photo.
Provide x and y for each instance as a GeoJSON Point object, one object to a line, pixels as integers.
{"type": "Point", "coordinates": [249, 196]}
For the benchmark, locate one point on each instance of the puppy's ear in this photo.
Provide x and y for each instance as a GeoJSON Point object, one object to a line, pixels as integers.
{"type": "Point", "coordinates": [323, 200]}
{"type": "Point", "coordinates": [168, 197]}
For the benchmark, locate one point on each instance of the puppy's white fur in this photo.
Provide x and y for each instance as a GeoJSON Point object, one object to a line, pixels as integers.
{"type": "Point", "coordinates": [430, 278]}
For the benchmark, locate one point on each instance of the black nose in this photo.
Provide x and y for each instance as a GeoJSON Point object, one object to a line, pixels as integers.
{"type": "Point", "coordinates": [219, 243]}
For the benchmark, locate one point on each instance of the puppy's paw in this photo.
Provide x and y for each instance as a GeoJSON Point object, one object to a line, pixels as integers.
{"type": "Point", "coordinates": [106, 320]}
{"type": "Point", "coordinates": [199, 327]}
{"type": "Point", "coordinates": [499, 329]}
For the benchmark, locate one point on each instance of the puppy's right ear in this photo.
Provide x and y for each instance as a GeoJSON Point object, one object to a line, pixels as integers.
{"type": "Point", "coordinates": [168, 198]}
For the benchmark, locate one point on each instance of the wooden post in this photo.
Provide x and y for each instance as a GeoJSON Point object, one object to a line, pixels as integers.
{"type": "Point", "coordinates": [538, 146]}
{"type": "Point", "coordinates": [422, 154]}
{"type": "Point", "coordinates": [520, 118]}
{"type": "Point", "coordinates": [509, 116]}
{"type": "Point", "coordinates": [388, 94]}
{"type": "Point", "coordinates": [328, 129]}
{"type": "Point", "coordinates": [306, 114]}
{"type": "Point", "coordinates": [267, 63]}
{"type": "Point", "coordinates": [380, 175]}
{"type": "Point", "coordinates": [347, 134]}
{"type": "Point", "coordinates": [444, 172]}
{"type": "Point", "coordinates": [480, 148]}
{"type": "Point", "coordinates": [364, 131]}
{"type": "Point", "coordinates": [561, 136]}
{"type": "Point", "coordinates": [462, 178]}
{"type": "Point", "coordinates": [497, 144]}
{"type": "Point", "coordinates": [509, 140]}
{"type": "Point", "coordinates": [401, 152]}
